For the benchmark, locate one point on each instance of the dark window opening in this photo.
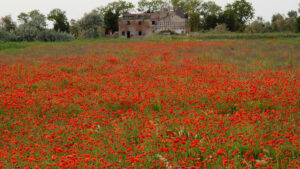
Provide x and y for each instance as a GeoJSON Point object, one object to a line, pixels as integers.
{"type": "Point", "coordinates": [128, 22]}
{"type": "Point", "coordinates": [140, 33]}
{"type": "Point", "coordinates": [128, 34]}
{"type": "Point", "coordinates": [140, 22]}
{"type": "Point", "coordinates": [123, 33]}
{"type": "Point", "coordinates": [153, 23]}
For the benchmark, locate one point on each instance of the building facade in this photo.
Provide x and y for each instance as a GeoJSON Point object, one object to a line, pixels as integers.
{"type": "Point", "coordinates": [143, 25]}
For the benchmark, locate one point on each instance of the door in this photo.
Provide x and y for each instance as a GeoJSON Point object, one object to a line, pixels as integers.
{"type": "Point", "coordinates": [128, 34]}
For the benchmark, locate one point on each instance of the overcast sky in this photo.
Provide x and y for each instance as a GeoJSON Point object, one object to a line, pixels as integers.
{"type": "Point", "coordinates": [76, 8]}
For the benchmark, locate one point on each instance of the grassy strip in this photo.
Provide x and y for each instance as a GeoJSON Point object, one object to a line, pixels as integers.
{"type": "Point", "coordinates": [226, 36]}
{"type": "Point", "coordinates": [17, 45]}
{"type": "Point", "coordinates": [285, 37]}
{"type": "Point", "coordinates": [243, 36]}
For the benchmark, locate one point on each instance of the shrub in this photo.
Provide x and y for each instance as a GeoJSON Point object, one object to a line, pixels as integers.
{"type": "Point", "coordinates": [52, 36]}
{"type": "Point", "coordinates": [167, 32]}
{"type": "Point", "coordinates": [27, 32]}
{"type": "Point", "coordinates": [256, 27]}
{"type": "Point", "coordinates": [6, 36]}
{"type": "Point", "coordinates": [220, 28]}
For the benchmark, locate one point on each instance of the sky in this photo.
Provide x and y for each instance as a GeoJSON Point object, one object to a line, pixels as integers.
{"type": "Point", "coordinates": [75, 9]}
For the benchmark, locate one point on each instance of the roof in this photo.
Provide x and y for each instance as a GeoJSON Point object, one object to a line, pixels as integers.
{"type": "Point", "coordinates": [153, 16]}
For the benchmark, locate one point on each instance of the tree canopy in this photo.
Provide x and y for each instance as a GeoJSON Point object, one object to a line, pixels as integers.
{"type": "Point", "coordinates": [243, 10]}
{"type": "Point", "coordinates": [189, 6]}
{"type": "Point", "coordinates": [210, 8]}
{"type": "Point", "coordinates": [151, 6]}
{"type": "Point", "coordinates": [121, 7]}
{"type": "Point", "coordinates": [60, 20]}
{"type": "Point", "coordinates": [7, 23]}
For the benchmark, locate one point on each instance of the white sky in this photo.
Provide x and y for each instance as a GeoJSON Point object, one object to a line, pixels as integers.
{"type": "Point", "coordinates": [76, 8]}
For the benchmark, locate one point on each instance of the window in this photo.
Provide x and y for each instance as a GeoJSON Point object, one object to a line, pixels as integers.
{"type": "Point", "coordinates": [123, 33]}
{"type": "Point", "coordinates": [128, 22]}
{"type": "Point", "coordinates": [153, 23]}
{"type": "Point", "coordinates": [140, 22]}
{"type": "Point", "coordinates": [140, 33]}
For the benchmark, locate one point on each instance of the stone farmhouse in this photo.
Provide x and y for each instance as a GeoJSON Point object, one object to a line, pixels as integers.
{"type": "Point", "coordinates": [144, 24]}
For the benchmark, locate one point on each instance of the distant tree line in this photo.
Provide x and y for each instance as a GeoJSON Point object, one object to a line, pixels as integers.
{"type": "Point", "coordinates": [202, 16]}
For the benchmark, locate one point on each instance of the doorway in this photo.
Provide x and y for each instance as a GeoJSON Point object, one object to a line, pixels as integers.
{"type": "Point", "coordinates": [128, 34]}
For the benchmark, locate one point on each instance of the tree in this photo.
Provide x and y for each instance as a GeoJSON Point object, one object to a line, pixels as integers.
{"type": "Point", "coordinates": [152, 6]}
{"type": "Point", "coordinates": [189, 6]}
{"type": "Point", "coordinates": [258, 26]}
{"type": "Point", "coordinates": [292, 14]}
{"type": "Point", "coordinates": [90, 24]}
{"type": "Point", "coordinates": [230, 18]}
{"type": "Point", "coordinates": [210, 21]}
{"type": "Point", "coordinates": [243, 10]}
{"type": "Point", "coordinates": [121, 7]}
{"type": "Point", "coordinates": [210, 8]}
{"type": "Point", "coordinates": [111, 21]}
{"type": "Point", "coordinates": [60, 20]}
{"type": "Point", "coordinates": [74, 28]}
{"type": "Point", "coordinates": [33, 24]}
{"type": "Point", "coordinates": [112, 11]}
{"type": "Point", "coordinates": [194, 22]}
{"type": "Point", "coordinates": [36, 19]}
{"type": "Point", "coordinates": [8, 24]}
{"type": "Point", "coordinates": [278, 23]}
{"type": "Point", "coordinates": [210, 12]}
{"type": "Point", "coordinates": [298, 25]}
{"type": "Point", "coordinates": [23, 17]}
{"type": "Point", "coordinates": [290, 24]}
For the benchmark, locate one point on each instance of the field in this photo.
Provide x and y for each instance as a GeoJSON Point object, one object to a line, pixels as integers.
{"type": "Point", "coordinates": [151, 104]}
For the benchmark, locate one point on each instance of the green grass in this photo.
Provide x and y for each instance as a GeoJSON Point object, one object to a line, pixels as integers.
{"type": "Point", "coordinates": [17, 45]}
{"type": "Point", "coordinates": [284, 37]}
{"type": "Point", "coordinates": [244, 35]}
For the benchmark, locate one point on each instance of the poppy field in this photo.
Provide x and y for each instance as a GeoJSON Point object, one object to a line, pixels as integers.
{"type": "Point", "coordinates": [149, 104]}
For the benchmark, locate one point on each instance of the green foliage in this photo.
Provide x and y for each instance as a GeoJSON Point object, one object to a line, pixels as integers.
{"type": "Point", "coordinates": [210, 8]}
{"type": "Point", "coordinates": [292, 14]}
{"type": "Point", "coordinates": [27, 32]}
{"type": "Point", "coordinates": [210, 21]}
{"type": "Point", "coordinates": [16, 45]}
{"type": "Point", "coordinates": [230, 18]}
{"type": "Point", "coordinates": [298, 25]}
{"type": "Point", "coordinates": [74, 28]}
{"type": "Point", "coordinates": [6, 36]}
{"type": "Point", "coordinates": [151, 6]}
{"type": "Point", "coordinates": [258, 26]}
{"type": "Point", "coordinates": [194, 22]}
{"type": "Point", "coordinates": [90, 24]}
{"type": "Point", "coordinates": [167, 32]}
{"type": "Point", "coordinates": [220, 28]}
{"type": "Point", "coordinates": [282, 24]}
{"type": "Point", "coordinates": [33, 23]}
{"type": "Point", "coordinates": [52, 36]}
{"type": "Point", "coordinates": [121, 7]}
{"type": "Point", "coordinates": [243, 10]}
{"type": "Point", "coordinates": [60, 20]}
{"type": "Point", "coordinates": [37, 20]}
{"type": "Point", "coordinates": [7, 23]}
{"type": "Point", "coordinates": [189, 6]}
{"type": "Point", "coordinates": [23, 17]}
{"type": "Point", "coordinates": [34, 27]}
{"type": "Point", "coordinates": [111, 21]}
{"type": "Point", "coordinates": [111, 13]}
